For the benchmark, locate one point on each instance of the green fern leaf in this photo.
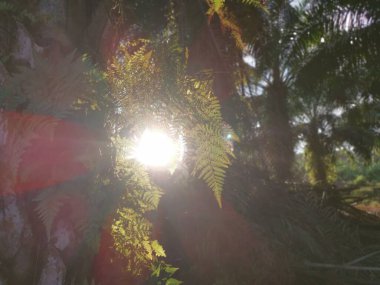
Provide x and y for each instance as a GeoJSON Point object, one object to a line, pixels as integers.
{"type": "Point", "coordinates": [211, 158]}
{"type": "Point", "coordinates": [158, 249]}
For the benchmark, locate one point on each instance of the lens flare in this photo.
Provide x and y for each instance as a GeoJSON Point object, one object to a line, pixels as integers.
{"type": "Point", "coordinates": [157, 149]}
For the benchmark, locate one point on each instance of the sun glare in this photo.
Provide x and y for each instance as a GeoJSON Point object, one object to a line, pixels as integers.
{"type": "Point", "coordinates": [157, 149]}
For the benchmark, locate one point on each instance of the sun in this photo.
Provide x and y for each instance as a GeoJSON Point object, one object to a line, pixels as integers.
{"type": "Point", "coordinates": [157, 149]}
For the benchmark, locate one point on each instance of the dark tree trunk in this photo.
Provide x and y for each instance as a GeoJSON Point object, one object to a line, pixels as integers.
{"type": "Point", "coordinates": [316, 157]}
{"type": "Point", "coordinates": [27, 256]}
{"type": "Point", "coordinates": [277, 129]}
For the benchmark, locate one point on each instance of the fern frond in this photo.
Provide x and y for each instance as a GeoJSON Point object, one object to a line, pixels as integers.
{"type": "Point", "coordinates": [227, 21]}
{"type": "Point", "coordinates": [131, 232]}
{"type": "Point", "coordinates": [201, 103]}
{"type": "Point", "coordinates": [212, 151]}
{"type": "Point", "coordinates": [256, 3]}
{"type": "Point", "coordinates": [151, 86]}
{"type": "Point", "coordinates": [217, 5]}
{"type": "Point", "coordinates": [158, 90]}
{"type": "Point", "coordinates": [211, 158]}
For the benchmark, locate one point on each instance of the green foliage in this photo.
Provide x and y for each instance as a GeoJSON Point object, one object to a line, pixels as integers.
{"type": "Point", "coordinates": [219, 5]}
{"type": "Point", "coordinates": [11, 9]}
{"type": "Point", "coordinates": [355, 170]}
{"type": "Point", "coordinates": [131, 230]}
{"type": "Point", "coordinates": [338, 73]}
{"type": "Point", "coordinates": [227, 21]}
{"type": "Point", "coordinates": [256, 3]}
{"type": "Point", "coordinates": [154, 92]}
{"type": "Point", "coordinates": [327, 132]}
{"type": "Point", "coordinates": [154, 89]}
{"type": "Point", "coordinates": [162, 274]}
{"type": "Point", "coordinates": [373, 172]}
{"type": "Point", "coordinates": [211, 158]}
{"type": "Point", "coordinates": [359, 180]}
{"type": "Point", "coordinates": [320, 167]}
{"type": "Point", "coordinates": [150, 85]}
{"type": "Point", "coordinates": [347, 167]}
{"type": "Point", "coordinates": [149, 81]}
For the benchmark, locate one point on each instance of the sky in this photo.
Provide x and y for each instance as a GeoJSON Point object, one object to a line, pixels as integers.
{"type": "Point", "coordinates": [295, 2]}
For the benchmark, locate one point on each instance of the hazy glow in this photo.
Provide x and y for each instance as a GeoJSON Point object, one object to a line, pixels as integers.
{"type": "Point", "coordinates": [157, 149]}
{"type": "Point", "coordinates": [249, 59]}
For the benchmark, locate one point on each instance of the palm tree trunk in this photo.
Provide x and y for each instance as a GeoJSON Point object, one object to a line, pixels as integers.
{"type": "Point", "coordinates": [278, 133]}
{"type": "Point", "coordinates": [315, 157]}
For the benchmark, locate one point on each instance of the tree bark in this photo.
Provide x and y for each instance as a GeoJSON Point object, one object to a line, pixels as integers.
{"type": "Point", "coordinates": [316, 157]}
{"type": "Point", "coordinates": [278, 133]}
